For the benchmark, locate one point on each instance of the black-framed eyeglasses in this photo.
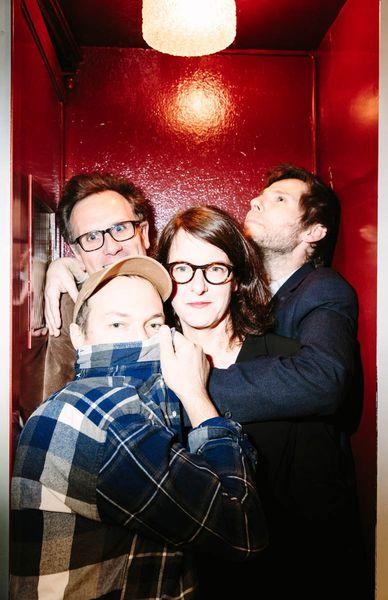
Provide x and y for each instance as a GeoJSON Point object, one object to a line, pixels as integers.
{"type": "Point", "coordinates": [214, 273]}
{"type": "Point", "coordinates": [120, 232]}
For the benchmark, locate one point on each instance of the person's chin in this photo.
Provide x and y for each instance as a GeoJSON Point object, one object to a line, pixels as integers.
{"type": "Point", "coordinates": [200, 321]}
{"type": "Point", "coordinates": [249, 230]}
{"type": "Point", "coordinates": [254, 234]}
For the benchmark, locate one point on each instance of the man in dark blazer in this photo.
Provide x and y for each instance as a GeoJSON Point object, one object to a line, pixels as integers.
{"type": "Point", "coordinates": [317, 551]}
{"type": "Point", "coordinates": [295, 222]}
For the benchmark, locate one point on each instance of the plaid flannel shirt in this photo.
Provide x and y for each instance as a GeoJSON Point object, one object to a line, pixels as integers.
{"type": "Point", "coordinates": [106, 500]}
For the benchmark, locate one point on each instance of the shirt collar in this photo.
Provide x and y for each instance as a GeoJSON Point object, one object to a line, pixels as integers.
{"type": "Point", "coordinates": [117, 358]}
{"type": "Point", "coordinates": [275, 285]}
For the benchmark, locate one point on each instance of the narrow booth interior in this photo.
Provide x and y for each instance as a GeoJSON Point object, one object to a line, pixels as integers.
{"type": "Point", "coordinates": [298, 85]}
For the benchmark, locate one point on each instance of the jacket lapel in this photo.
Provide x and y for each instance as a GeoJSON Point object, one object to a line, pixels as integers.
{"type": "Point", "coordinates": [293, 282]}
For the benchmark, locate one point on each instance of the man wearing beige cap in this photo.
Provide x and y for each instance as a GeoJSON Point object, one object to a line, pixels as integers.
{"type": "Point", "coordinates": [106, 500]}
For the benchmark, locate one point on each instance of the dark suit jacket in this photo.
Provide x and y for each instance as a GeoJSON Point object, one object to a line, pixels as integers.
{"type": "Point", "coordinates": [304, 470]}
{"type": "Point", "coordinates": [318, 308]}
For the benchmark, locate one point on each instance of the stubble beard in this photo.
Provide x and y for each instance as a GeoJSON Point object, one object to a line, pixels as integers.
{"type": "Point", "coordinates": [273, 245]}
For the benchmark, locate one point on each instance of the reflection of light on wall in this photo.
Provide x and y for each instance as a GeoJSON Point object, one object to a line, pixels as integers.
{"type": "Point", "coordinates": [369, 234]}
{"type": "Point", "coordinates": [199, 106]}
{"type": "Point", "coordinates": [365, 107]}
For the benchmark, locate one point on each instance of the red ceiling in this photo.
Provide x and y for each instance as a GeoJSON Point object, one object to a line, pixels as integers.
{"type": "Point", "coordinates": [261, 24]}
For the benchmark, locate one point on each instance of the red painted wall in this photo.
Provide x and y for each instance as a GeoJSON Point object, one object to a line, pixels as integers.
{"type": "Point", "coordinates": [204, 130]}
{"type": "Point", "coordinates": [190, 131]}
{"type": "Point", "coordinates": [37, 149]}
{"type": "Point", "coordinates": [347, 156]}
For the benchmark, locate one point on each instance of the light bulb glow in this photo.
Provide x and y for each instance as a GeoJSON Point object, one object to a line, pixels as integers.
{"type": "Point", "coordinates": [189, 27]}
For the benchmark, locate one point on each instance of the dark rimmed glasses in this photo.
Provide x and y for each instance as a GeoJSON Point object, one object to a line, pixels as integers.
{"type": "Point", "coordinates": [214, 273]}
{"type": "Point", "coordinates": [120, 232]}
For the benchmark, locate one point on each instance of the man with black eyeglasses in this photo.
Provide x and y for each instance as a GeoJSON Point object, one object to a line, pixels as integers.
{"type": "Point", "coordinates": [103, 218]}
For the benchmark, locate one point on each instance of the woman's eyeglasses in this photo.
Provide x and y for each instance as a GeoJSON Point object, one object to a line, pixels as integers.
{"type": "Point", "coordinates": [214, 273]}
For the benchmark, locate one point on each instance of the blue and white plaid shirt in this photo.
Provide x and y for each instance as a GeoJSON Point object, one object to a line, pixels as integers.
{"type": "Point", "coordinates": [106, 500]}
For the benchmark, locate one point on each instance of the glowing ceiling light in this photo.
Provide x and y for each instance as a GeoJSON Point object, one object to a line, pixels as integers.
{"type": "Point", "coordinates": [189, 27]}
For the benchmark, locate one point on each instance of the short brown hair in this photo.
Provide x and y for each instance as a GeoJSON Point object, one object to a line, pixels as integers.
{"type": "Point", "coordinates": [320, 205]}
{"type": "Point", "coordinates": [249, 305]}
{"type": "Point", "coordinates": [80, 186]}
{"type": "Point", "coordinates": [82, 318]}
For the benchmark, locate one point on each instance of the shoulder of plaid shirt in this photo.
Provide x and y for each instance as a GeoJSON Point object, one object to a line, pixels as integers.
{"type": "Point", "coordinates": [110, 452]}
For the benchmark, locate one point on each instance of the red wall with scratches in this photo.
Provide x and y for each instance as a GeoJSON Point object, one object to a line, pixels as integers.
{"type": "Point", "coordinates": [37, 149]}
{"type": "Point", "coordinates": [190, 131]}
{"type": "Point", "coordinates": [204, 131]}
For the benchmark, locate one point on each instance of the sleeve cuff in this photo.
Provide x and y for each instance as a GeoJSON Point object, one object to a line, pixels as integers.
{"type": "Point", "coordinates": [212, 429]}
{"type": "Point", "coordinates": [215, 421]}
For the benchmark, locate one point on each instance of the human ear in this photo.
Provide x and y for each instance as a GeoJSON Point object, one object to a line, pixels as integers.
{"type": "Point", "coordinates": [76, 335]}
{"type": "Point", "coordinates": [314, 233]}
{"type": "Point", "coordinates": [144, 232]}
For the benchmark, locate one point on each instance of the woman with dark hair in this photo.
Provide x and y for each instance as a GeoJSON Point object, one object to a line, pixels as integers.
{"type": "Point", "coordinates": [220, 301]}
{"type": "Point", "coordinates": [226, 298]}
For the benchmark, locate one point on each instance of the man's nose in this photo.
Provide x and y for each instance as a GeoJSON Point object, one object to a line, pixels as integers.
{"type": "Point", "coordinates": [256, 203]}
{"type": "Point", "coordinates": [111, 246]}
{"type": "Point", "coordinates": [137, 332]}
{"type": "Point", "coordinates": [198, 283]}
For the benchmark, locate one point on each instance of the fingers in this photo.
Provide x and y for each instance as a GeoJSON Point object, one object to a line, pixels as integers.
{"type": "Point", "coordinates": [180, 342]}
{"type": "Point", "coordinates": [166, 345]}
{"type": "Point", "coordinates": [170, 347]}
{"type": "Point", "coordinates": [60, 279]}
{"type": "Point", "coordinates": [39, 332]}
{"type": "Point", "coordinates": [180, 357]}
{"type": "Point", "coordinates": [51, 311]}
{"type": "Point", "coordinates": [71, 288]}
{"type": "Point", "coordinates": [77, 268]}
{"type": "Point", "coordinates": [64, 282]}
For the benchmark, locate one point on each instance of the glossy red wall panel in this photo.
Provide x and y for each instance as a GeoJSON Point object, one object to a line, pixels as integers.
{"type": "Point", "coordinates": [347, 156]}
{"type": "Point", "coordinates": [190, 131]}
{"type": "Point", "coordinates": [37, 149]}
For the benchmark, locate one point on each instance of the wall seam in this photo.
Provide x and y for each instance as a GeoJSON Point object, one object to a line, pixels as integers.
{"type": "Point", "coordinates": [314, 111]}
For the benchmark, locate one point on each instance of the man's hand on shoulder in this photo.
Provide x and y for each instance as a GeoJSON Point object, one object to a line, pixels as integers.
{"type": "Point", "coordinates": [62, 276]}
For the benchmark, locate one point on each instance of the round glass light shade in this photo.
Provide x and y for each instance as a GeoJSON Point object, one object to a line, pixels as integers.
{"type": "Point", "coordinates": [189, 27]}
